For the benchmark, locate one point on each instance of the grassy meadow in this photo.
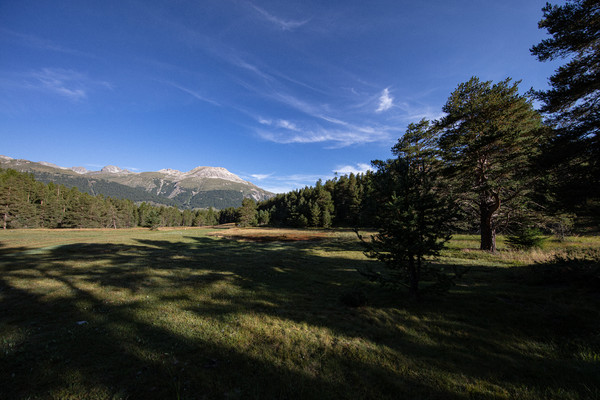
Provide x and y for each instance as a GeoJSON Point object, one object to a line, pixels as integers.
{"type": "Point", "coordinates": [256, 313]}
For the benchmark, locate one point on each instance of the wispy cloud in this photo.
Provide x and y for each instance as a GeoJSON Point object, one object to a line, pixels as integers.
{"type": "Point", "coordinates": [414, 111]}
{"type": "Point", "coordinates": [261, 177]}
{"type": "Point", "coordinates": [320, 128]}
{"type": "Point", "coordinates": [359, 168]}
{"type": "Point", "coordinates": [279, 123]}
{"type": "Point", "coordinates": [294, 102]}
{"type": "Point", "coordinates": [385, 101]}
{"type": "Point", "coordinates": [193, 93]}
{"type": "Point", "coordinates": [64, 82]}
{"type": "Point", "coordinates": [42, 43]}
{"type": "Point", "coordinates": [337, 138]}
{"type": "Point", "coordinates": [287, 183]}
{"type": "Point", "coordinates": [283, 24]}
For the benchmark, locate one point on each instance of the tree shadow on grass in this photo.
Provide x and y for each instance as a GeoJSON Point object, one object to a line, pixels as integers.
{"type": "Point", "coordinates": [161, 319]}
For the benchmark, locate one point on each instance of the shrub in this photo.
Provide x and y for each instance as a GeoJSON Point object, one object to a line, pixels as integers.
{"type": "Point", "coordinates": [525, 238]}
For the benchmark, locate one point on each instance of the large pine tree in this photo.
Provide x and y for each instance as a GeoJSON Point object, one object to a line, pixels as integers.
{"type": "Point", "coordinates": [488, 140]}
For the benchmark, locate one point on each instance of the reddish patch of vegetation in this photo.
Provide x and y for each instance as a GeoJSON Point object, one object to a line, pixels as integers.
{"type": "Point", "coordinates": [270, 236]}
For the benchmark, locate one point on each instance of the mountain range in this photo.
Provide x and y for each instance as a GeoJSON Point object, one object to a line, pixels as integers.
{"type": "Point", "coordinates": [202, 187]}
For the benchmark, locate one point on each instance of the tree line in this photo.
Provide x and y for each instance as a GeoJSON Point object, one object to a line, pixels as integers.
{"type": "Point", "coordinates": [28, 203]}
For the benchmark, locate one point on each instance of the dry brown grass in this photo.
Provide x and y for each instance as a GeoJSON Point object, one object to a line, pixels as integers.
{"type": "Point", "coordinates": [270, 235]}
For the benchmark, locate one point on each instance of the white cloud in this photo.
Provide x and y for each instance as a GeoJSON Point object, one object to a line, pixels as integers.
{"type": "Point", "coordinates": [346, 135]}
{"type": "Point", "coordinates": [359, 168]}
{"type": "Point", "coordinates": [338, 138]}
{"type": "Point", "coordinates": [194, 94]}
{"type": "Point", "coordinates": [284, 25]}
{"type": "Point", "coordinates": [287, 183]}
{"type": "Point", "coordinates": [385, 101]}
{"type": "Point", "coordinates": [67, 83]}
{"type": "Point", "coordinates": [260, 177]}
{"type": "Point", "coordinates": [63, 82]}
{"type": "Point", "coordinates": [282, 123]}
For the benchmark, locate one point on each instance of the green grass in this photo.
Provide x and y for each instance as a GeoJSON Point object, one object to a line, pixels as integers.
{"type": "Point", "coordinates": [183, 314]}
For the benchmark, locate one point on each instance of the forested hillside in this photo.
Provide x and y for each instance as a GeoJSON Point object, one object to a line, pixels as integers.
{"type": "Point", "coordinates": [28, 203]}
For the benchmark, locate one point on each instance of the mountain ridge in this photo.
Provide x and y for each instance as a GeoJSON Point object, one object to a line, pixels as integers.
{"type": "Point", "coordinates": [201, 187]}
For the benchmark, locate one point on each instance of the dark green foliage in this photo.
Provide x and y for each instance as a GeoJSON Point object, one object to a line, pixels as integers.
{"type": "Point", "coordinates": [347, 199]}
{"type": "Point", "coordinates": [152, 219]}
{"type": "Point", "coordinates": [489, 139]}
{"type": "Point", "coordinates": [572, 104]}
{"type": "Point", "coordinates": [247, 214]}
{"type": "Point", "coordinates": [263, 217]}
{"type": "Point", "coordinates": [415, 214]}
{"type": "Point", "coordinates": [228, 215]}
{"type": "Point", "coordinates": [342, 201]}
{"type": "Point", "coordinates": [18, 199]}
{"type": "Point", "coordinates": [525, 238]}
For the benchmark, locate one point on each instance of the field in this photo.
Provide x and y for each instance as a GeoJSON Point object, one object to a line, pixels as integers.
{"type": "Point", "coordinates": [256, 313]}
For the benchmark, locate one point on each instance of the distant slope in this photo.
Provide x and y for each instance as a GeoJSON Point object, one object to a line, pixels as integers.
{"type": "Point", "coordinates": [201, 187]}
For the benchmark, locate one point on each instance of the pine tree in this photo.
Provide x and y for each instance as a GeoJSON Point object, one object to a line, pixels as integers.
{"type": "Point", "coordinates": [488, 140]}
{"type": "Point", "coordinates": [415, 216]}
{"type": "Point", "coordinates": [247, 213]}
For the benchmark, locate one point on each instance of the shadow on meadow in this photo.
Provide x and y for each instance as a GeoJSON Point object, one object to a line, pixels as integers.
{"type": "Point", "coordinates": [125, 321]}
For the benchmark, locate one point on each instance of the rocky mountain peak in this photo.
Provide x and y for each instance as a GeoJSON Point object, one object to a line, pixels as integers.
{"type": "Point", "coordinates": [80, 170]}
{"type": "Point", "coordinates": [112, 169]}
{"type": "Point", "coordinates": [171, 172]}
{"type": "Point", "coordinates": [214, 173]}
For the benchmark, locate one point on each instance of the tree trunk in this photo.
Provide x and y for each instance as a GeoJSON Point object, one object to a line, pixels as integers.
{"type": "Point", "coordinates": [487, 228]}
{"type": "Point", "coordinates": [488, 234]}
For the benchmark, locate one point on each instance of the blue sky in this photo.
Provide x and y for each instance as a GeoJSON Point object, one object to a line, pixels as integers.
{"type": "Point", "coordinates": [280, 93]}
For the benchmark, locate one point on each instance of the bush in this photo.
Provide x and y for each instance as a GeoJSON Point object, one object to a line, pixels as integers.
{"type": "Point", "coordinates": [525, 238]}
